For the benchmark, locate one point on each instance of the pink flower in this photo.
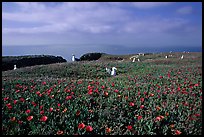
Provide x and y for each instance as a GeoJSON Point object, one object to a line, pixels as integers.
{"type": "Point", "coordinates": [42, 112]}
{"type": "Point", "coordinates": [81, 126]}
{"type": "Point", "coordinates": [51, 109]}
{"type": "Point", "coordinates": [27, 111]}
{"type": "Point", "coordinates": [38, 92]}
{"type": "Point", "coordinates": [169, 75]}
{"type": "Point", "coordinates": [29, 118]}
{"type": "Point", "coordinates": [158, 119]}
{"type": "Point", "coordinates": [103, 87]}
{"type": "Point", "coordinates": [5, 99]}
{"type": "Point", "coordinates": [22, 99]}
{"type": "Point", "coordinates": [9, 106]}
{"type": "Point", "coordinates": [196, 85]}
{"type": "Point", "coordinates": [15, 101]}
{"type": "Point", "coordinates": [142, 99]}
{"type": "Point", "coordinates": [113, 84]}
{"type": "Point", "coordinates": [34, 104]}
{"type": "Point", "coordinates": [43, 118]}
{"type": "Point", "coordinates": [131, 104]}
{"type": "Point", "coordinates": [142, 106]}
{"type": "Point", "coordinates": [68, 97]}
{"type": "Point", "coordinates": [41, 107]}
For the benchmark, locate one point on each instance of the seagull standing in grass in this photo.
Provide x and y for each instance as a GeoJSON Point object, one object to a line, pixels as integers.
{"type": "Point", "coordinates": [182, 57]}
{"type": "Point", "coordinates": [113, 72]}
{"type": "Point", "coordinates": [14, 67]}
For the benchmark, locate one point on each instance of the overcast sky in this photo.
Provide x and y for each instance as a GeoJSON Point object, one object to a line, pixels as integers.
{"type": "Point", "coordinates": [122, 23]}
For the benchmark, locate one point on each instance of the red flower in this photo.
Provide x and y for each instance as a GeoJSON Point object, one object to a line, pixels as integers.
{"type": "Point", "coordinates": [15, 101]}
{"type": "Point", "coordinates": [13, 118]}
{"type": "Point", "coordinates": [9, 106]}
{"type": "Point", "coordinates": [139, 117]}
{"type": "Point", "coordinates": [142, 106]}
{"type": "Point", "coordinates": [113, 84]}
{"type": "Point", "coordinates": [41, 107]}
{"type": "Point", "coordinates": [116, 91]}
{"type": "Point", "coordinates": [106, 93]}
{"type": "Point", "coordinates": [60, 132]}
{"type": "Point", "coordinates": [20, 122]}
{"type": "Point", "coordinates": [108, 130]}
{"type": "Point", "coordinates": [29, 118]}
{"type": "Point", "coordinates": [151, 95]}
{"type": "Point", "coordinates": [142, 99]}
{"type": "Point", "coordinates": [103, 87]}
{"type": "Point", "coordinates": [81, 126]}
{"type": "Point", "coordinates": [197, 115]}
{"type": "Point", "coordinates": [44, 118]}
{"type": "Point", "coordinates": [78, 113]}
{"type": "Point", "coordinates": [177, 132]}
{"type": "Point", "coordinates": [38, 92]}
{"type": "Point", "coordinates": [131, 104]}
{"type": "Point", "coordinates": [68, 97]}
{"type": "Point", "coordinates": [158, 119]}
{"type": "Point", "coordinates": [5, 99]}
{"type": "Point", "coordinates": [90, 92]}
{"type": "Point", "coordinates": [34, 104]}
{"type": "Point", "coordinates": [44, 83]}
{"type": "Point", "coordinates": [169, 75]}
{"type": "Point", "coordinates": [27, 111]}
{"type": "Point", "coordinates": [22, 99]}
{"type": "Point", "coordinates": [129, 127]}
{"type": "Point", "coordinates": [160, 76]}
{"type": "Point", "coordinates": [89, 128]}
{"type": "Point", "coordinates": [42, 112]}
{"type": "Point", "coordinates": [58, 105]}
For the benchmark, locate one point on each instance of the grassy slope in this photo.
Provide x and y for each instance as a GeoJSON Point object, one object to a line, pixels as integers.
{"type": "Point", "coordinates": [96, 69]}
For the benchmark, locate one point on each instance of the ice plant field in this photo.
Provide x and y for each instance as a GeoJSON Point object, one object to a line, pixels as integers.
{"type": "Point", "coordinates": [152, 97]}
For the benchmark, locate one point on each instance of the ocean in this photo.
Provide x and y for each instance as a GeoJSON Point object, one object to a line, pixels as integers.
{"type": "Point", "coordinates": [66, 51]}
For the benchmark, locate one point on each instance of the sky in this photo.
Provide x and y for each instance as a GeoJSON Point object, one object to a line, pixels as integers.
{"type": "Point", "coordinates": [127, 24]}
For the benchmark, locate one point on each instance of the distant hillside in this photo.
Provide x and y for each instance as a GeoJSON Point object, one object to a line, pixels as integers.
{"type": "Point", "coordinates": [8, 62]}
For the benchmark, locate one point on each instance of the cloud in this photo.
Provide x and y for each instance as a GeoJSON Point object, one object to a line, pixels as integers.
{"type": "Point", "coordinates": [185, 10]}
{"type": "Point", "coordinates": [147, 5]}
{"type": "Point", "coordinates": [94, 18]}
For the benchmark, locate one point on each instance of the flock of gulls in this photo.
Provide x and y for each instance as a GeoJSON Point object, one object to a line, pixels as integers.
{"type": "Point", "coordinates": [111, 71]}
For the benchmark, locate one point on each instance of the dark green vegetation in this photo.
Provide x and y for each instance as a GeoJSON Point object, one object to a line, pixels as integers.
{"type": "Point", "coordinates": [91, 56]}
{"type": "Point", "coordinates": [8, 62]}
{"type": "Point", "coordinates": [152, 97]}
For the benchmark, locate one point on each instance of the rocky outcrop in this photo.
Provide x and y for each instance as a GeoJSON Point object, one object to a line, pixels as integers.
{"type": "Point", "coordinates": [91, 56]}
{"type": "Point", "coordinates": [8, 62]}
